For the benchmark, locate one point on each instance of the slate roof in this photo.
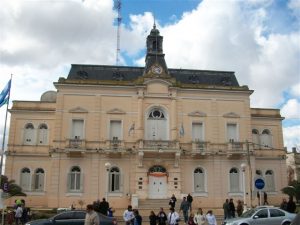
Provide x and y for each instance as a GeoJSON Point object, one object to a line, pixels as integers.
{"type": "Point", "coordinates": [126, 73]}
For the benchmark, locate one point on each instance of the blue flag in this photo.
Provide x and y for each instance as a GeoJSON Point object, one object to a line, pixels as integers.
{"type": "Point", "coordinates": [5, 92]}
{"type": "Point", "coordinates": [4, 102]}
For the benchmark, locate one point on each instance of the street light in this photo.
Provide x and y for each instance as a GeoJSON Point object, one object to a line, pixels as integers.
{"type": "Point", "coordinates": [243, 166]}
{"type": "Point", "coordinates": [107, 167]}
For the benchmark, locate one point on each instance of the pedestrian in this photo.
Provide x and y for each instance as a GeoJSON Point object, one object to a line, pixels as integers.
{"type": "Point", "coordinates": [18, 214]}
{"type": "Point", "coordinates": [103, 207]}
{"type": "Point", "coordinates": [24, 217]}
{"type": "Point", "coordinates": [266, 198]}
{"type": "Point", "coordinates": [199, 218]}
{"type": "Point", "coordinates": [152, 218]}
{"type": "Point", "coordinates": [173, 217]}
{"type": "Point", "coordinates": [137, 217]}
{"type": "Point", "coordinates": [226, 209]}
{"type": "Point", "coordinates": [189, 198]}
{"type": "Point", "coordinates": [283, 204]}
{"type": "Point", "coordinates": [239, 208]}
{"type": "Point", "coordinates": [91, 217]}
{"type": "Point", "coordinates": [191, 219]}
{"type": "Point", "coordinates": [184, 207]}
{"type": "Point", "coordinates": [258, 198]}
{"type": "Point", "coordinates": [110, 212]}
{"type": "Point", "coordinates": [291, 205]}
{"type": "Point", "coordinates": [128, 215]}
{"type": "Point", "coordinates": [96, 205]}
{"type": "Point", "coordinates": [10, 217]}
{"type": "Point", "coordinates": [172, 201]}
{"type": "Point", "coordinates": [161, 217]}
{"type": "Point", "coordinates": [210, 217]}
{"type": "Point", "coordinates": [231, 208]}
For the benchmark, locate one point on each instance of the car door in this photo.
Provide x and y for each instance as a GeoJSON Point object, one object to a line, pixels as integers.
{"type": "Point", "coordinates": [79, 217]}
{"type": "Point", "coordinates": [261, 217]}
{"type": "Point", "coordinates": [276, 216]}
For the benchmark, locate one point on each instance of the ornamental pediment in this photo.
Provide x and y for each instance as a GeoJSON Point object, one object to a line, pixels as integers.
{"type": "Point", "coordinates": [116, 111]}
{"type": "Point", "coordinates": [197, 114]}
{"type": "Point", "coordinates": [231, 115]}
{"type": "Point", "coordinates": [78, 109]}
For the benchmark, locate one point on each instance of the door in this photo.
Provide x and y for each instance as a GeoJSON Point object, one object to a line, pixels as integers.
{"type": "Point", "coordinates": [157, 187]}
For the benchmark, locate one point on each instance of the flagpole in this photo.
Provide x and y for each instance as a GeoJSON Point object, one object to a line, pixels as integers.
{"type": "Point", "coordinates": [4, 132]}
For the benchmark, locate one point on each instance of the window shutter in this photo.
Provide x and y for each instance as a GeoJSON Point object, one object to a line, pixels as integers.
{"type": "Point", "coordinates": [121, 182]}
{"type": "Point", "coordinates": [69, 182]}
{"type": "Point", "coordinates": [197, 132]}
{"type": "Point", "coordinates": [231, 132]}
{"type": "Point", "coordinates": [81, 182]}
{"type": "Point", "coordinates": [234, 182]}
{"type": "Point", "coordinates": [117, 182]}
{"type": "Point", "coordinates": [41, 181]}
{"type": "Point", "coordinates": [33, 182]}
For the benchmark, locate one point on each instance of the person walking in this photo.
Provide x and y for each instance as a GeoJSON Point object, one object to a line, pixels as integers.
{"type": "Point", "coordinates": [199, 218]}
{"type": "Point", "coordinates": [283, 204]}
{"type": "Point", "coordinates": [226, 209]}
{"type": "Point", "coordinates": [210, 217]}
{"type": "Point", "coordinates": [266, 198]}
{"type": "Point", "coordinates": [162, 217]}
{"type": "Point", "coordinates": [137, 217]}
{"type": "Point", "coordinates": [91, 217]}
{"type": "Point", "coordinates": [291, 205]}
{"type": "Point", "coordinates": [231, 208]}
{"type": "Point", "coordinates": [184, 207]}
{"type": "Point", "coordinates": [189, 198]}
{"type": "Point", "coordinates": [173, 217]}
{"type": "Point", "coordinates": [152, 218]}
{"type": "Point", "coordinates": [128, 215]}
{"type": "Point", "coordinates": [172, 201]}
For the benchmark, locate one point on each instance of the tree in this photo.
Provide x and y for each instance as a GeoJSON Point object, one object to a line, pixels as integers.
{"type": "Point", "coordinates": [293, 190]}
{"type": "Point", "coordinates": [10, 187]}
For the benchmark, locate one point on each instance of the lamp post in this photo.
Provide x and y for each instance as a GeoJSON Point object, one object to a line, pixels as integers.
{"type": "Point", "coordinates": [107, 167]}
{"type": "Point", "coordinates": [243, 166]}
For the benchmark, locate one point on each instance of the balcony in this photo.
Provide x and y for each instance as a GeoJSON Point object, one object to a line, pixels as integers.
{"type": "Point", "coordinates": [236, 148]}
{"type": "Point", "coordinates": [159, 145]}
{"type": "Point", "coordinates": [200, 148]}
{"type": "Point", "coordinates": [75, 147]}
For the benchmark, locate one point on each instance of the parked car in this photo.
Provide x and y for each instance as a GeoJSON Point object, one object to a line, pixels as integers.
{"type": "Point", "coordinates": [296, 220]}
{"type": "Point", "coordinates": [262, 216]}
{"type": "Point", "coordinates": [72, 217]}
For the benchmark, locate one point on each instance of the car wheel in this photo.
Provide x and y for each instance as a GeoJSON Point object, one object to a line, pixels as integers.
{"type": "Point", "coordinates": [286, 223]}
{"type": "Point", "coordinates": [244, 224]}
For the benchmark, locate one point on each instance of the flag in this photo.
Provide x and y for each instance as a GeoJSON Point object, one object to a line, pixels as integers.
{"type": "Point", "coordinates": [181, 131]}
{"type": "Point", "coordinates": [4, 102]}
{"type": "Point", "coordinates": [5, 92]}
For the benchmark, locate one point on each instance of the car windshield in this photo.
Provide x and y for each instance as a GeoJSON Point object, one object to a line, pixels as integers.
{"type": "Point", "coordinates": [248, 213]}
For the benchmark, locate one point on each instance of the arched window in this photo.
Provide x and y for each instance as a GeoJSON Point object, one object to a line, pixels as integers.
{"type": "Point", "coordinates": [25, 179]}
{"type": "Point", "coordinates": [234, 180]}
{"type": "Point", "coordinates": [255, 139]}
{"type": "Point", "coordinates": [114, 179]}
{"type": "Point", "coordinates": [29, 134]}
{"type": "Point", "coordinates": [43, 134]}
{"type": "Point", "coordinates": [38, 179]}
{"type": "Point", "coordinates": [199, 180]}
{"type": "Point", "coordinates": [269, 179]}
{"type": "Point", "coordinates": [156, 125]}
{"type": "Point", "coordinates": [266, 139]}
{"type": "Point", "coordinates": [258, 173]}
{"type": "Point", "coordinates": [75, 179]}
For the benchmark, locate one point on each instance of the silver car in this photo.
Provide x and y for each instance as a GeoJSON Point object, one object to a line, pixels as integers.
{"type": "Point", "coordinates": [262, 216]}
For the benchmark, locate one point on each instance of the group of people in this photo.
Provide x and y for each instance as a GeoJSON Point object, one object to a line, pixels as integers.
{"type": "Point", "coordinates": [132, 216]}
{"type": "Point", "coordinates": [230, 211]}
{"type": "Point", "coordinates": [289, 206]}
{"type": "Point", "coordinates": [20, 213]}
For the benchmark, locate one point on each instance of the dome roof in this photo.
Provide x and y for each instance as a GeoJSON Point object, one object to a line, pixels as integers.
{"type": "Point", "coordinates": [48, 96]}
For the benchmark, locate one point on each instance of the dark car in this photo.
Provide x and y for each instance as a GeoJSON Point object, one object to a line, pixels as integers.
{"type": "Point", "coordinates": [75, 217]}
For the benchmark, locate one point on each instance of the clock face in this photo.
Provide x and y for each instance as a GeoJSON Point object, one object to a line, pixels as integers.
{"type": "Point", "coordinates": [156, 70]}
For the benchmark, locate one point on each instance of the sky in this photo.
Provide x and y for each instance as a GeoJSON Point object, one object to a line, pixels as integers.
{"type": "Point", "coordinates": [257, 39]}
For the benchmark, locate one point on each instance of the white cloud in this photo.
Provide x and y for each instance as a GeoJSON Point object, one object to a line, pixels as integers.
{"type": "Point", "coordinates": [295, 90]}
{"type": "Point", "coordinates": [291, 110]}
{"type": "Point", "coordinates": [291, 136]}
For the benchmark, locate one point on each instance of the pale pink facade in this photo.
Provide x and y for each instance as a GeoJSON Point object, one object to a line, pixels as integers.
{"type": "Point", "coordinates": [159, 136]}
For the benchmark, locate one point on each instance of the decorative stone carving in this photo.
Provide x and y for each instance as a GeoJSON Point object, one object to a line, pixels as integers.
{"type": "Point", "coordinates": [231, 115]}
{"type": "Point", "coordinates": [116, 111]}
{"type": "Point", "coordinates": [197, 114]}
{"type": "Point", "coordinates": [78, 109]}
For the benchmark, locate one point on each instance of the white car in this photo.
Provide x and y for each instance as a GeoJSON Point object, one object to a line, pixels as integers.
{"type": "Point", "coordinates": [262, 216]}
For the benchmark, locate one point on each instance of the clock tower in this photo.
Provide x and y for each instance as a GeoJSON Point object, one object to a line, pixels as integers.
{"type": "Point", "coordinates": [155, 58]}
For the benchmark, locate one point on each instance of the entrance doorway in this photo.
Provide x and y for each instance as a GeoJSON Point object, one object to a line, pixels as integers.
{"type": "Point", "coordinates": [158, 185]}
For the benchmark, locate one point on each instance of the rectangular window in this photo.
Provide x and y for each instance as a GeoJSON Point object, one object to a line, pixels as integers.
{"type": "Point", "coordinates": [77, 129]}
{"type": "Point", "coordinates": [232, 135]}
{"type": "Point", "coordinates": [115, 130]}
{"type": "Point", "coordinates": [199, 182]}
{"type": "Point", "coordinates": [197, 132]}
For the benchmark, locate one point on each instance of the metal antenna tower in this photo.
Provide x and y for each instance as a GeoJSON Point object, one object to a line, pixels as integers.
{"type": "Point", "coordinates": [117, 6]}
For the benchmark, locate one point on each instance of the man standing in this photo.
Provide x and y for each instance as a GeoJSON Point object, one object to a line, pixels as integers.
{"type": "Point", "coordinates": [91, 217]}
{"type": "Point", "coordinates": [103, 207]}
{"type": "Point", "coordinates": [184, 207]}
{"type": "Point", "coordinates": [226, 209]}
{"type": "Point", "coordinates": [173, 217]}
{"type": "Point", "coordinates": [231, 208]}
{"type": "Point", "coordinates": [128, 215]}
{"type": "Point", "coordinates": [161, 217]}
{"type": "Point", "coordinates": [189, 198]}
